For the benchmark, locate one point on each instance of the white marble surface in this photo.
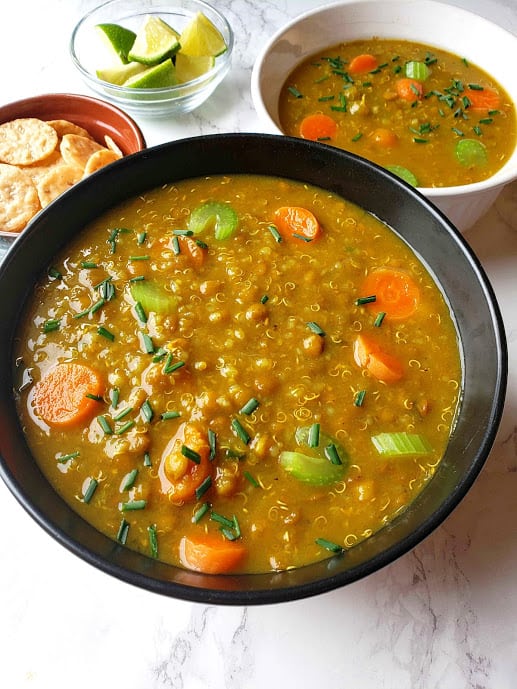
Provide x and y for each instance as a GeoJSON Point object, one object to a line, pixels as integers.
{"type": "Point", "coordinates": [443, 616]}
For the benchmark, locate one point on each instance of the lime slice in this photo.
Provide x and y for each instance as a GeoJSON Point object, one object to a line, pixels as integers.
{"type": "Point", "coordinates": [155, 41]}
{"type": "Point", "coordinates": [404, 174]}
{"type": "Point", "coordinates": [156, 77]}
{"type": "Point", "coordinates": [119, 74]}
{"type": "Point", "coordinates": [471, 152]}
{"type": "Point", "coordinates": [200, 37]}
{"type": "Point", "coordinates": [118, 39]}
{"type": "Point", "coordinates": [188, 67]}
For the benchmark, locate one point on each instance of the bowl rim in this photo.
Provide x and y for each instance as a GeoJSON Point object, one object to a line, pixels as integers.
{"type": "Point", "coordinates": [499, 179]}
{"type": "Point", "coordinates": [221, 589]}
{"type": "Point", "coordinates": [175, 91]}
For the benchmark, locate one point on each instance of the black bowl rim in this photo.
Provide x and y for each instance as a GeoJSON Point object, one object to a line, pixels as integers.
{"type": "Point", "coordinates": [217, 589]}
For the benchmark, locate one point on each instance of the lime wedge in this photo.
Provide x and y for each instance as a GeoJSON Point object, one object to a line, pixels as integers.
{"type": "Point", "coordinates": [155, 41]}
{"type": "Point", "coordinates": [156, 77]}
{"type": "Point", "coordinates": [200, 37]}
{"type": "Point", "coordinates": [118, 39]}
{"type": "Point", "coordinates": [119, 74]}
{"type": "Point", "coordinates": [188, 67]}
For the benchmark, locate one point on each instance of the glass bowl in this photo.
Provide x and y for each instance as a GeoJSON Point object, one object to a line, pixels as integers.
{"type": "Point", "coordinates": [181, 98]}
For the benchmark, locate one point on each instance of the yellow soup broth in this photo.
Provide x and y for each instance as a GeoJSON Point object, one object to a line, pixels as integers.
{"type": "Point", "coordinates": [249, 390]}
{"type": "Point", "coordinates": [428, 115]}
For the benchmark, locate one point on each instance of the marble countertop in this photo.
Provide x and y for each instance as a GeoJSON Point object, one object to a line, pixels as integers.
{"type": "Point", "coordinates": [442, 616]}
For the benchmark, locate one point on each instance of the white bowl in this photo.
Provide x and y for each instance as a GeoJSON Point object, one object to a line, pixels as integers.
{"type": "Point", "coordinates": [433, 23]}
{"type": "Point", "coordinates": [155, 102]}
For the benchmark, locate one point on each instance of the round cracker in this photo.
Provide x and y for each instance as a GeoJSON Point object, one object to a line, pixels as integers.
{"type": "Point", "coordinates": [38, 170]}
{"type": "Point", "coordinates": [19, 200]}
{"type": "Point", "coordinates": [56, 181]}
{"type": "Point", "coordinates": [99, 159]}
{"type": "Point", "coordinates": [26, 140]}
{"type": "Point", "coordinates": [110, 143]}
{"type": "Point", "coordinates": [77, 149]}
{"type": "Point", "coordinates": [63, 127]}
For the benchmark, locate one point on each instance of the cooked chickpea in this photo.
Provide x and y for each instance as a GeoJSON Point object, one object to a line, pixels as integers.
{"type": "Point", "coordinates": [313, 345]}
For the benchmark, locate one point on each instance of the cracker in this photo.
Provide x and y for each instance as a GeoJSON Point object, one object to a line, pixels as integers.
{"type": "Point", "coordinates": [77, 149]}
{"type": "Point", "coordinates": [112, 145]}
{"type": "Point", "coordinates": [58, 180]}
{"type": "Point", "coordinates": [63, 127]}
{"type": "Point", "coordinates": [38, 170]}
{"type": "Point", "coordinates": [19, 200]}
{"type": "Point", "coordinates": [99, 159]}
{"type": "Point", "coordinates": [26, 140]}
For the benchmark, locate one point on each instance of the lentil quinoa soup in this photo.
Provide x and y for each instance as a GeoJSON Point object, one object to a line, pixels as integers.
{"type": "Point", "coordinates": [429, 116]}
{"type": "Point", "coordinates": [238, 374]}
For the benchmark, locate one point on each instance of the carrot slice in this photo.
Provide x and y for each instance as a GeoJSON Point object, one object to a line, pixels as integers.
{"type": "Point", "coordinates": [193, 251]}
{"type": "Point", "coordinates": [396, 293]}
{"type": "Point", "coordinates": [181, 476]}
{"type": "Point", "coordinates": [211, 553]}
{"type": "Point", "coordinates": [363, 63]}
{"type": "Point", "coordinates": [368, 354]}
{"type": "Point", "coordinates": [385, 138]}
{"type": "Point", "coordinates": [297, 224]}
{"type": "Point", "coordinates": [60, 397]}
{"type": "Point", "coordinates": [483, 99]}
{"type": "Point", "coordinates": [318, 126]}
{"type": "Point", "coordinates": [410, 90]}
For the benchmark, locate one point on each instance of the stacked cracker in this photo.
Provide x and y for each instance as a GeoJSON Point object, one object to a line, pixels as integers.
{"type": "Point", "coordinates": [40, 160]}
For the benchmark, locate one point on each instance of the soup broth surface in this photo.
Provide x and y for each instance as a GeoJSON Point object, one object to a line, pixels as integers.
{"type": "Point", "coordinates": [428, 115]}
{"type": "Point", "coordinates": [254, 405]}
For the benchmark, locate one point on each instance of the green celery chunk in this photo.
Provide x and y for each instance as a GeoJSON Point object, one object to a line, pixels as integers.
{"type": "Point", "coordinates": [404, 174]}
{"type": "Point", "coordinates": [315, 470]}
{"type": "Point", "coordinates": [417, 70]}
{"type": "Point", "coordinates": [471, 152]}
{"type": "Point", "coordinates": [152, 297]}
{"type": "Point", "coordinates": [221, 217]}
{"type": "Point", "coordinates": [401, 444]}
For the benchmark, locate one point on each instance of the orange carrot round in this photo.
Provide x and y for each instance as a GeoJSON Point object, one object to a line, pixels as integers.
{"type": "Point", "coordinates": [483, 99]}
{"type": "Point", "coordinates": [361, 64]}
{"type": "Point", "coordinates": [190, 248]}
{"type": "Point", "coordinates": [318, 126]}
{"type": "Point", "coordinates": [60, 397]}
{"type": "Point", "coordinates": [396, 293]}
{"type": "Point", "coordinates": [369, 354]}
{"type": "Point", "coordinates": [408, 89]}
{"type": "Point", "coordinates": [297, 224]}
{"type": "Point", "coordinates": [211, 553]}
{"type": "Point", "coordinates": [180, 476]}
{"type": "Point", "coordinates": [385, 138]}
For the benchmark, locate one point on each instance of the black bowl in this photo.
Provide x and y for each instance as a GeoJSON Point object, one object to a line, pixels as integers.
{"type": "Point", "coordinates": [417, 221]}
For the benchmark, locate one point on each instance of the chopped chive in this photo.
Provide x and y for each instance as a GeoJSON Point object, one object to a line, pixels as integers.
{"type": "Point", "coordinates": [143, 257]}
{"type": "Point", "coordinates": [51, 325]}
{"type": "Point", "coordinates": [103, 423]}
{"type": "Point", "coordinates": [324, 99]}
{"type": "Point", "coordinates": [66, 458]}
{"type": "Point", "coordinates": [250, 406]}
{"type": "Point", "coordinates": [212, 443]}
{"type": "Point", "coordinates": [486, 120]}
{"type": "Point", "coordinates": [294, 92]}
{"type": "Point", "coordinates": [332, 454]}
{"type": "Point", "coordinates": [365, 300]}
{"type": "Point", "coordinates": [458, 132]}
{"type": "Point", "coordinates": [54, 273]}
{"type": "Point", "coordinates": [139, 310]}
{"type": "Point", "coordinates": [236, 526]}
{"type": "Point", "coordinates": [129, 480]}
{"type": "Point", "coordinates": [98, 305]}
{"type": "Point", "coordinates": [230, 453]}
{"type": "Point", "coordinates": [313, 439]}
{"type": "Point", "coordinates": [476, 87]}
{"type": "Point", "coordinates": [315, 328]}
{"type": "Point", "coordinates": [200, 513]}
{"type": "Point", "coordinates": [125, 427]}
{"type": "Point", "coordinates": [264, 298]}
{"type": "Point", "coordinates": [170, 415]}
{"type": "Point", "coordinates": [203, 487]}
{"type": "Point", "coordinates": [95, 398]}
{"type": "Point", "coordinates": [123, 413]}
{"type": "Point", "coordinates": [357, 136]}
{"type": "Point", "coordinates": [107, 290]}
{"type": "Point", "coordinates": [191, 454]}
{"type": "Point", "coordinates": [115, 394]}
{"type": "Point", "coordinates": [141, 237]}
{"type": "Point", "coordinates": [229, 534]}
{"type": "Point", "coordinates": [302, 237]}
{"type": "Point", "coordinates": [101, 330]}
{"type": "Point", "coordinates": [379, 319]}
{"type": "Point", "coordinates": [176, 246]}
{"type": "Point", "coordinates": [477, 130]}
{"type": "Point", "coordinates": [240, 431]}
{"type": "Point", "coordinates": [183, 233]}
{"type": "Point", "coordinates": [491, 113]}
{"type": "Point", "coordinates": [122, 531]}
{"type": "Point", "coordinates": [359, 398]}
{"type": "Point", "coordinates": [173, 367]}
{"type": "Point", "coordinates": [201, 244]}
{"type": "Point", "coordinates": [148, 343]}
{"type": "Point", "coordinates": [329, 545]}
{"type": "Point", "coordinates": [133, 505]}
{"type": "Point", "coordinates": [147, 460]}
{"type": "Point", "coordinates": [418, 140]}
{"type": "Point", "coordinates": [153, 540]}
{"type": "Point", "coordinates": [276, 234]}
{"type": "Point", "coordinates": [90, 490]}
{"type": "Point", "coordinates": [137, 278]}
{"type": "Point", "coordinates": [249, 477]}
{"type": "Point", "coordinates": [147, 411]}
{"type": "Point", "coordinates": [220, 519]}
